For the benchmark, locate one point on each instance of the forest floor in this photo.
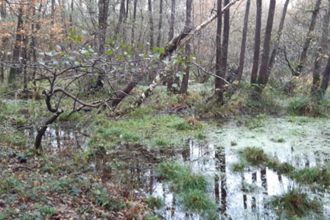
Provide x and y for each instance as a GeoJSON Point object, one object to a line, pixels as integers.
{"type": "Point", "coordinates": [103, 166]}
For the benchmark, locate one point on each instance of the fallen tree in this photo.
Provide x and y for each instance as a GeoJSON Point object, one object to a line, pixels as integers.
{"type": "Point", "coordinates": [175, 44]}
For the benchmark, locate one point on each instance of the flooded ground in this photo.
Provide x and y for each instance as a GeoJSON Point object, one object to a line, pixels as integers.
{"type": "Point", "coordinates": [302, 142]}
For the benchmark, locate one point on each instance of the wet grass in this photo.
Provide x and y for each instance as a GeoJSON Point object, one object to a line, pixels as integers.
{"type": "Point", "coordinates": [312, 175]}
{"type": "Point", "coordinates": [192, 186]}
{"type": "Point", "coordinates": [320, 177]}
{"type": "Point", "coordinates": [295, 203]}
{"type": "Point", "coordinates": [154, 202]}
{"type": "Point", "coordinates": [157, 130]}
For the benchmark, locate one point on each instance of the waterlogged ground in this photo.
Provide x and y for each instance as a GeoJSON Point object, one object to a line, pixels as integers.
{"type": "Point", "coordinates": [299, 141]}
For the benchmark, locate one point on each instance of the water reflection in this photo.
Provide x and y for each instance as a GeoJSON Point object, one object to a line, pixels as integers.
{"type": "Point", "coordinates": [57, 139]}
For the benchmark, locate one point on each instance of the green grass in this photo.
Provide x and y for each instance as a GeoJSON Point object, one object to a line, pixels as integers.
{"type": "Point", "coordinates": [198, 200]}
{"type": "Point", "coordinates": [192, 186]}
{"type": "Point", "coordinates": [157, 130]}
{"type": "Point", "coordinates": [295, 203]}
{"type": "Point", "coordinates": [154, 202]}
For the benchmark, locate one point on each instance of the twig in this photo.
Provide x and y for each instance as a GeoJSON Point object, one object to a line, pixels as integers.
{"type": "Point", "coordinates": [210, 73]}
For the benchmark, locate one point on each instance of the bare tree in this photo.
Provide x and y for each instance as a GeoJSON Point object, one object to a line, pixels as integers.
{"type": "Point", "coordinates": [279, 34]}
{"type": "Point", "coordinates": [321, 50]}
{"type": "Point", "coordinates": [303, 55]}
{"type": "Point", "coordinates": [255, 67]}
{"type": "Point", "coordinates": [151, 25]}
{"type": "Point", "coordinates": [187, 28]}
{"type": "Point", "coordinates": [218, 72]}
{"type": "Point", "coordinates": [160, 23]}
{"type": "Point", "coordinates": [263, 73]}
{"type": "Point", "coordinates": [243, 45]}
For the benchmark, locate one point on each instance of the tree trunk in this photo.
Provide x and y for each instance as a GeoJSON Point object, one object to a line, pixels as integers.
{"type": "Point", "coordinates": [42, 130]}
{"type": "Point", "coordinates": [103, 17]}
{"type": "Point", "coordinates": [303, 55]}
{"type": "Point", "coordinates": [160, 23]}
{"type": "Point", "coordinates": [71, 14]}
{"type": "Point", "coordinates": [134, 20]}
{"type": "Point", "coordinates": [321, 50]}
{"type": "Point", "coordinates": [243, 45]}
{"type": "Point", "coordinates": [15, 71]}
{"type": "Point", "coordinates": [151, 25]}
{"type": "Point", "coordinates": [218, 82]}
{"type": "Point", "coordinates": [255, 67]}
{"type": "Point", "coordinates": [187, 28]}
{"type": "Point", "coordinates": [172, 21]}
{"type": "Point", "coordinates": [279, 34]}
{"type": "Point", "coordinates": [3, 14]}
{"type": "Point", "coordinates": [325, 79]}
{"type": "Point", "coordinates": [263, 73]}
{"type": "Point", "coordinates": [121, 16]}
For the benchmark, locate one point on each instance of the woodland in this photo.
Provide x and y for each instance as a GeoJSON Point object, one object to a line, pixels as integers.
{"type": "Point", "coordinates": [158, 109]}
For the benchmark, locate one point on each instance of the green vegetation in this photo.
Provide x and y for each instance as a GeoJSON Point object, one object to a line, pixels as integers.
{"type": "Point", "coordinates": [295, 203]}
{"type": "Point", "coordinates": [159, 130]}
{"type": "Point", "coordinates": [192, 186]}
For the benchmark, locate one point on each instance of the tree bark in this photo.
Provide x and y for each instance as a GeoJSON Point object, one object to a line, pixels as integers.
{"type": "Point", "coordinates": [218, 82]}
{"type": "Point", "coordinates": [172, 21]}
{"type": "Point", "coordinates": [321, 50]}
{"type": "Point", "coordinates": [325, 79]}
{"type": "Point", "coordinates": [134, 20]}
{"type": "Point", "coordinates": [303, 55]}
{"type": "Point", "coordinates": [279, 34]}
{"type": "Point", "coordinates": [42, 130]}
{"type": "Point", "coordinates": [15, 71]}
{"type": "Point", "coordinates": [151, 26]}
{"type": "Point", "coordinates": [255, 67]}
{"type": "Point", "coordinates": [187, 28]}
{"type": "Point", "coordinates": [103, 18]}
{"type": "Point", "coordinates": [159, 38]}
{"type": "Point", "coordinates": [263, 73]}
{"type": "Point", "coordinates": [121, 16]}
{"type": "Point", "coordinates": [243, 45]}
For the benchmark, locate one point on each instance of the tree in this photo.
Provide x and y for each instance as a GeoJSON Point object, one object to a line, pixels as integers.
{"type": "Point", "coordinates": [243, 45]}
{"type": "Point", "coordinates": [160, 23]}
{"type": "Point", "coordinates": [263, 72]}
{"type": "Point", "coordinates": [255, 67]}
{"type": "Point", "coordinates": [309, 35]}
{"type": "Point", "coordinates": [103, 18]}
{"type": "Point", "coordinates": [279, 34]}
{"type": "Point", "coordinates": [151, 25]}
{"type": "Point", "coordinates": [187, 28]}
{"type": "Point", "coordinates": [218, 72]}
{"type": "Point", "coordinates": [14, 71]}
{"type": "Point", "coordinates": [319, 55]}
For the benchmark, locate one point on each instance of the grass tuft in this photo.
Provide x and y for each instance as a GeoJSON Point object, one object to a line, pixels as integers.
{"type": "Point", "coordinates": [295, 203]}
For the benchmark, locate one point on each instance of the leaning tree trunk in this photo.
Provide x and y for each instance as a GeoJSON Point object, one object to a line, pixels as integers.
{"type": "Point", "coordinates": [263, 73]}
{"type": "Point", "coordinates": [255, 66]}
{"type": "Point", "coordinates": [321, 50]}
{"type": "Point", "coordinates": [303, 55]}
{"type": "Point", "coordinates": [42, 130]}
{"type": "Point", "coordinates": [243, 45]}
{"type": "Point", "coordinates": [175, 44]}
